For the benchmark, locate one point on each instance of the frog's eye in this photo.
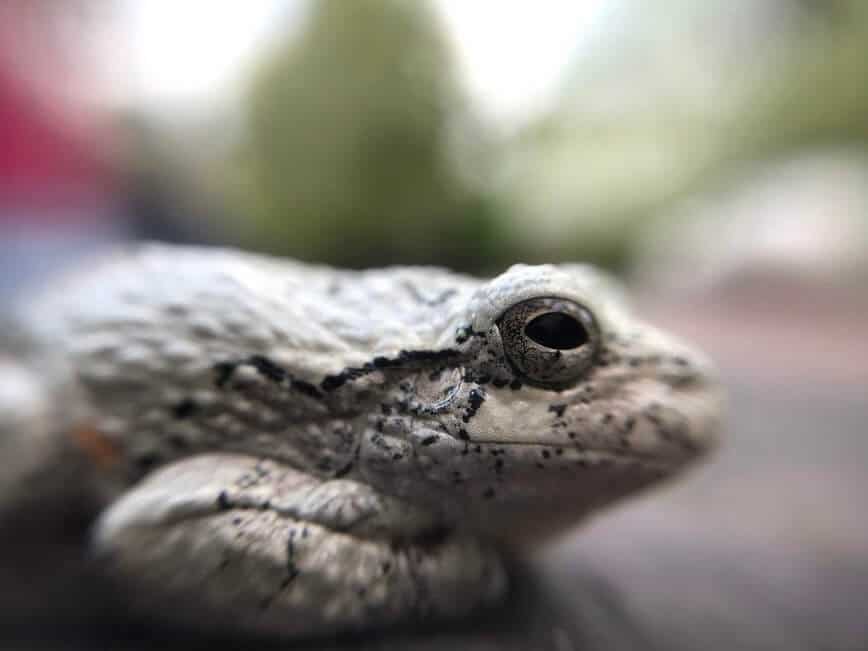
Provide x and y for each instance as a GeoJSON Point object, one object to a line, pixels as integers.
{"type": "Point", "coordinates": [550, 341]}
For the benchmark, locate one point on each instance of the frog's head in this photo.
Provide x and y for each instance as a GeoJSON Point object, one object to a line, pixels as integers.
{"type": "Point", "coordinates": [540, 399]}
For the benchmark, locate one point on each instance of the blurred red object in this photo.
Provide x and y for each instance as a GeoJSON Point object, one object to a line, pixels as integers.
{"type": "Point", "coordinates": [47, 166]}
{"type": "Point", "coordinates": [54, 139]}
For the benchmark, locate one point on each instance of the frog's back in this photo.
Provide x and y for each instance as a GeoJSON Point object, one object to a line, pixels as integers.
{"type": "Point", "coordinates": [183, 304]}
{"type": "Point", "coordinates": [141, 335]}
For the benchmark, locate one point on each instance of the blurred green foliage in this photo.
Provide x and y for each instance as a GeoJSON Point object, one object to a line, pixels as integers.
{"type": "Point", "coordinates": [357, 146]}
{"type": "Point", "coordinates": [681, 103]}
{"type": "Point", "coordinates": [350, 144]}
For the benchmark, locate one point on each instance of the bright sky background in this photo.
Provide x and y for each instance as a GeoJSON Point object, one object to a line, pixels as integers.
{"type": "Point", "coordinates": [512, 52]}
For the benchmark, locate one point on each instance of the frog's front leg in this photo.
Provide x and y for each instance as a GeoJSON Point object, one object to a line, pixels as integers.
{"type": "Point", "coordinates": [232, 542]}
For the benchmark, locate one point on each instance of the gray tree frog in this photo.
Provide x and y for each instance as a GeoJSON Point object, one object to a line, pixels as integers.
{"type": "Point", "coordinates": [278, 448]}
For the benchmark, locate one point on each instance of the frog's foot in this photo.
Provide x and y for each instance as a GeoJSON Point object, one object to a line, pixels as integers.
{"type": "Point", "coordinates": [231, 542]}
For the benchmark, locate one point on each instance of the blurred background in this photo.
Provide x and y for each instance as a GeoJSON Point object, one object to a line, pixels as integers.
{"type": "Point", "coordinates": [714, 155]}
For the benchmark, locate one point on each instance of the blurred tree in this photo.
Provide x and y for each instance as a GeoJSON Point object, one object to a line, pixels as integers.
{"type": "Point", "coordinates": [349, 153]}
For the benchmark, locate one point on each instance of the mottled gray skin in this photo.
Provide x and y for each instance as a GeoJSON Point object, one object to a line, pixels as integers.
{"type": "Point", "coordinates": [286, 449]}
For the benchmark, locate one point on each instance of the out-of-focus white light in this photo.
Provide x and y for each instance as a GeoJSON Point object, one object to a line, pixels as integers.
{"type": "Point", "coordinates": [511, 53]}
{"type": "Point", "coordinates": [514, 53]}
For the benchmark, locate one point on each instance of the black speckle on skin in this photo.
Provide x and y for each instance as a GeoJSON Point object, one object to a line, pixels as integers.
{"type": "Point", "coordinates": [558, 410]}
{"type": "Point", "coordinates": [397, 456]}
{"type": "Point", "coordinates": [572, 435]}
{"type": "Point", "coordinates": [430, 440]}
{"type": "Point", "coordinates": [431, 537]}
{"type": "Point", "coordinates": [277, 374]}
{"type": "Point", "coordinates": [463, 435]}
{"type": "Point", "coordinates": [184, 409]}
{"type": "Point", "coordinates": [306, 388]}
{"type": "Point", "coordinates": [465, 332]}
{"type": "Point", "coordinates": [498, 465]}
{"type": "Point", "coordinates": [404, 358]}
{"type": "Point", "coordinates": [333, 382]}
{"type": "Point", "coordinates": [386, 567]}
{"type": "Point", "coordinates": [546, 454]}
{"type": "Point", "coordinates": [607, 417]}
{"type": "Point", "coordinates": [178, 442]}
{"type": "Point", "coordinates": [147, 460]}
{"type": "Point", "coordinates": [223, 501]}
{"type": "Point", "coordinates": [292, 570]}
{"type": "Point", "coordinates": [386, 409]}
{"type": "Point", "coordinates": [435, 375]}
{"type": "Point", "coordinates": [515, 385]}
{"type": "Point", "coordinates": [488, 493]}
{"type": "Point", "coordinates": [344, 471]}
{"type": "Point", "coordinates": [267, 368]}
{"type": "Point", "coordinates": [223, 372]}
{"type": "Point", "coordinates": [629, 424]}
{"type": "Point", "coordinates": [500, 382]}
{"type": "Point", "coordinates": [475, 400]}
{"type": "Point", "coordinates": [292, 573]}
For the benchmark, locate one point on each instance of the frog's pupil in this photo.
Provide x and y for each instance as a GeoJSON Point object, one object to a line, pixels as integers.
{"type": "Point", "coordinates": [556, 330]}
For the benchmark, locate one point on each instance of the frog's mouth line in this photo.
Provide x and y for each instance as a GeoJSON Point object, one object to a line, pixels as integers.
{"type": "Point", "coordinates": [594, 457]}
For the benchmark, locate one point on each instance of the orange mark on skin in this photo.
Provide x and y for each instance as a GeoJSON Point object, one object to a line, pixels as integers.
{"type": "Point", "coordinates": [103, 452]}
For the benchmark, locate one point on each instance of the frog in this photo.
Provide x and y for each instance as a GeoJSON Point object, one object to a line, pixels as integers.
{"type": "Point", "coordinates": [270, 447]}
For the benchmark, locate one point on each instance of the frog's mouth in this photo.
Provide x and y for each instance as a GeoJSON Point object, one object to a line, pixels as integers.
{"type": "Point", "coordinates": [584, 457]}
{"type": "Point", "coordinates": [669, 428]}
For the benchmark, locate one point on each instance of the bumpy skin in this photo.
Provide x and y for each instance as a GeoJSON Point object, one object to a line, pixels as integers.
{"type": "Point", "coordinates": [286, 449]}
